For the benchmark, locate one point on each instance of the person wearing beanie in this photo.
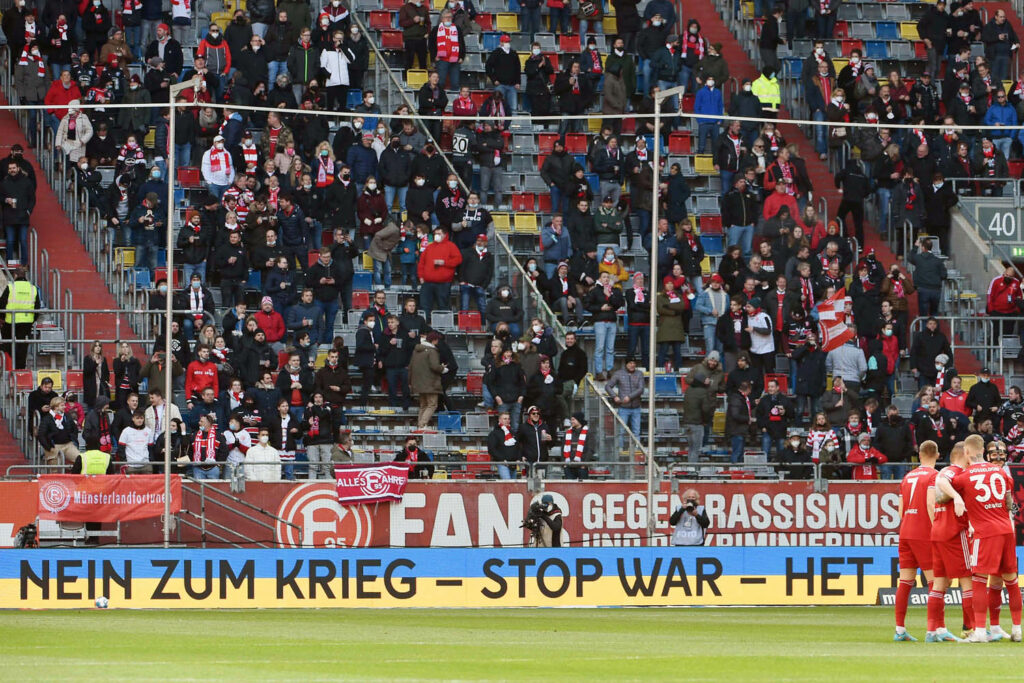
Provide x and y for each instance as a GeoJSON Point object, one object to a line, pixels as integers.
{"type": "Point", "coordinates": [762, 338]}
{"type": "Point", "coordinates": [625, 389]}
{"type": "Point", "coordinates": [577, 447]}
{"type": "Point", "coordinates": [271, 322]}
{"type": "Point", "coordinates": [711, 304]}
{"type": "Point", "coordinates": [703, 384]}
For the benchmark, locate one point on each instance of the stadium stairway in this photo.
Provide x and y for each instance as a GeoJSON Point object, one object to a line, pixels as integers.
{"type": "Point", "coordinates": [68, 255]}
{"type": "Point", "coordinates": [741, 66]}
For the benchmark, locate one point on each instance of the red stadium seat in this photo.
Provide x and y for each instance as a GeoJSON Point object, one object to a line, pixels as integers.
{"type": "Point", "coordinates": [479, 97]}
{"type": "Point", "coordinates": [75, 381]}
{"type": "Point", "coordinates": [679, 143]}
{"type": "Point", "coordinates": [24, 380]}
{"type": "Point", "coordinates": [544, 203]}
{"type": "Point", "coordinates": [1016, 167]}
{"type": "Point", "coordinates": [920, 50]}
{"type": "Point", "coordinates": [569, 44]}
{"type": "Point", "coordinates": [189, 176]}
{"type": "Point", "coordinates": [540, 161]}
{"type": "Point", "coordinates": [576, 143]}
{"type": "Point", "coordinates": [392, 4]}
{"type": "Point", "coordinates": [524, 201]}
{"type": "Point", "coordinates": [711, 224]}
{"type": "Point", "coordinates": [485, 21]}
{"type": "Point", "coordinates": [1000, 382]}
{"type": "Point", "coordinates": [842, 30]}
{"type": "Point", "coordinates": [381, 19]}
{"type": "Point", "coordinates": [546, 142]}
{"type": "Point", "coordinates": [475, 383]}
{"type": "Point", "coordinates": [479, 457]}
{"type": "Point", "coordinates": [392, 40]}
{"type": "Point", "coordinates": [783, 381]}
{"type": "Point", "coordinates": [469, 321]}
{"type": "Point", "coordinates": [848, 46]}
{"type": "Point", "coordinates": [360, 301]}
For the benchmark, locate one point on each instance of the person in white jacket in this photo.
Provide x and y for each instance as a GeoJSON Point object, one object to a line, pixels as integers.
{"type": "Point", "coordinates": [335, 61]}
{"type": "Point", "coordinates": [762, 338]}
{"type": "Point", "coordinates": [218, 168]}
{"type": "Point", "coordinates": [74, 132]}
{"type": "Point", "coordinates": [263, 461]}
{"type": "Point", "coordinates": [238, 442]}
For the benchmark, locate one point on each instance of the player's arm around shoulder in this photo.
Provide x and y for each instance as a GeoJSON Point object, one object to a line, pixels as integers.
{"type": "Point", "coordinates": [931, 502]}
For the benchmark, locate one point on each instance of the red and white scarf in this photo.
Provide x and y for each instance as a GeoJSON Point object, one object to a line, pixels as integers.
{"type": "Point", "coordinates": [205, 449]}
{"type": "Point", "coordinates": [27, 56]}
{"type": "Point", "coordinates": [220, 160]}
{"type": "Point", "coordinates": [250, 154]}
{"type": "Point", "coordinates": [595, 61]}
{"type": "Point", "coordinates": [448, 43]}
{"type": "Point", "coordinates": [130, 6]}
{"type": "Point", "coordinates": [509, 438]}
{"type": "Point", "coordinates": [695, 42]}
{"type": "Point", "coordinates": [817, 439]}
{"type": "Point", "coordinates": [940, 378]}
{"type": "Point", "coordinates": [568, 448]}
{"type": "Point", "coordinates": [62, 31]}
{"type": "Point", "coordinates": [638, 294]}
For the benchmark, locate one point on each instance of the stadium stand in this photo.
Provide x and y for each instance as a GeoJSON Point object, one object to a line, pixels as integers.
{"type": "Point", "coordinates": [514, 174]}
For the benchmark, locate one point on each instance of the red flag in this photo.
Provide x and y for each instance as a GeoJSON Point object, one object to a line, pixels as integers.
{"type": "Point", "coordinates": [832, 322]}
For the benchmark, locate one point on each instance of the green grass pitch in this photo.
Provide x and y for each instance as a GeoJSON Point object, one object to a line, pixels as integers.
{"type": "Point", "coordinates": [697, 644]}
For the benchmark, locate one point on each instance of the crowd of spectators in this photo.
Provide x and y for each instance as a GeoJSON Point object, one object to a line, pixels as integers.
{"type": "Point", "coordinates": [281, 186]}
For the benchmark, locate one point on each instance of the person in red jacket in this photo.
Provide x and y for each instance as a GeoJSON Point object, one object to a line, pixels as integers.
{"type": "Point", "coordinates": [1004, 296]}
{"type": "Point", "coordinates": [954, 400]}
{"type": "Point", "coordinates": [436, 271]}
{"type": "Point", "coordinates": [866, 459]}
{"type": "Point", "coordinates": [201, 374]}
{"type": "Point", "coordinates": [62, 91]}
{"type": "Point", "coordinates": [271, 322]}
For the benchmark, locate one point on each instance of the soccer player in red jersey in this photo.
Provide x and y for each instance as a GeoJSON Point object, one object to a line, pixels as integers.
{"type": "Point", "coordinates": [950, 554]}
{"type": "Point", "coordinates": [985, 491]}
{"type": "Point", "coordinates": [996, 453]}
{"type": "Point", "coordinates": [915, 533]}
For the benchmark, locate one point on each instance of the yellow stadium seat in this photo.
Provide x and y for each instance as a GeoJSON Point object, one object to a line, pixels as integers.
{"type": "Point", "coordinates": [124, 257]}
{"type": "Point", "coordinates": [594, 124]}
{"type": "Point", "coordinates": [321, 359]}
{"type": "Point", "coordinates": [839, 64]}
{"type": "Point", "coordinates": [507, 23]}
{"type": "Point", "coordinates": [705, 265]}
{"type": "Point", "coordinates": [222, 19]}
{"type": "Point", "coordinates": [149, 141]}
{"type": "Point", "coordinates": [501, 222]}
{"type": "Point", "coordinates": [58, 380]}
{"type": "Point", "coordinates": [610, 25]}
{"type": "Point", "coordinates": [415, 78]}
{"type": "Point", "coordinates": [367, 261]}
{"type": "Point", "coordinates": [693, 222]}
{"type": "Point", "coordinates": [440, 4]}
{"type": "Point", "coordinates": [748, 10]}
{"type": "Point", "coordinates": [704, 164]}
{"type": "Point", "coordinates": [968, 381]}
{"type": "Point", "coordinates": [523, 56]}
{"type": "Point", "coordinates": [908, 31]}
{"type": "Point", "coordinates": [718, 422]}
{"type": "Point", "coordinates": [526, 222]}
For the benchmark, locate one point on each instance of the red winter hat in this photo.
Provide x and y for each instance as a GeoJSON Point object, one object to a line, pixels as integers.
{"type": "Point", "coordinates": [506, 38]}
{"type": "Point", "coordinates": [164, 27]}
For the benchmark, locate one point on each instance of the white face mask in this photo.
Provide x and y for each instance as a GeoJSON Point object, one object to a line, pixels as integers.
{"type": "Point", "coordinates": [371, 186]}
{"type": "Point", "coordinates": [711, 83]}
{"type": "Point", "coordinates": [536, 51]}
{"type": "Point", "coordinates": [370, 323]}
{"type": "Point", "coordinates": [538, 328]}
{"type": "Point", "coordinates": [473, 205]}
{"type": "Point", "coordinates": [619, 52]}
{"type": "Point", "coordinates": [381, 131]}
{"type": "Point", "coordinates": [453, 184]}
{"type": "Point", "coordinates": [820, 51]}
{"type": "Point", "coordinates": [854, 423]}
{"type": "Point", "coordinates": [939, 366]}
{"type": "Point", "coordinates": [264, 440]}
{"type": "Point", "coordinates": [746, 88]}
{"type": "Point", "coordinates": [794, 443]}
{"type": "Point", "coordinates": [370, 100]}
{"type": "Point", "coordinates": [438, 238]}
{"type": "Point", "coordinates": [506, 48]}
{"type": "Point", "coordinates": [420, 182]}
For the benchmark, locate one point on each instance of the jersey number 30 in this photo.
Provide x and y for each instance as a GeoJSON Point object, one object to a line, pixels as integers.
{"type": "Point", "coordinates": [994, 488]}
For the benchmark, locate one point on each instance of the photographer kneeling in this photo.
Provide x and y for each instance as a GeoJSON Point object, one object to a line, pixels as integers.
{"type": "Point", "coordinates": [690, 520]}
{"type": "Point", "coordinates": [545, 523]}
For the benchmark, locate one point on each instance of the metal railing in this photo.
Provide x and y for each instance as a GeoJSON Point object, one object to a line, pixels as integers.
{"type": "Point", "coordinates": [975, 334]}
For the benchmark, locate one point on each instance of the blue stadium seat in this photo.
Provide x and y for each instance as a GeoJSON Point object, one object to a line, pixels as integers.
{"type": "Point", "coordinates": [667, 385]}
{"type": "Point", "coordinates": [362, 281]}
{"type": "Point", "coordinates": [712, 245]}
{"type": "Point", "coordinates": [355, 97]}
{"type": "Point", "coordinates": [255, 280]}
{"type": "Point", "coordinates": [595, 185]}
{"type": "Point", "coordinates": [491, 41]}
{"type": "Point", "coordinates": [887, 30]}
{"type": "Point", "coordinates": [141, 278]}
{"type": "Point", "coordinates": [876, 49]}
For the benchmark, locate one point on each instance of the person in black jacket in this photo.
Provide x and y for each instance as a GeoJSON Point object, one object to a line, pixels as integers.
{"type": "Point", "coordinates": [507, 385]}
{"type": "Point", "coordinates": [232, 264]}
{"type": "Point", "coordinates": [638, 319]}
{"type": "Point", "coordinates": [731, 332]}
{"type": "Point", "coordinates": [18, 194]}
{"type": "Point", "coordinates": [983, 399]}
{"type": "Point", "coordinates": [194, 240]}
{"type": "Point", "coordinates": [504, 71]}
{"type": "Point", "coordinates": [324, 278]}
{"type": "Point", "coordinates": [58, 434]}
{"type": "Point", "coordinates": [502, 446]}
{"type": "Point", "coordinates": [171, 48]}
{"type": "Point", "coordinates": [769, 41]}
{"type": "Point", "coordinates": [932, 28]}
{"type": "Point", "coordinates": [412, 453]}
{"type": "Point", "coordinates": [855, 187]}
{"type": "Point", "coordinates": [534, 437]}
{"type": "Point", "coordinates": [319, 425]}
{"type": "Point", "coordinates": [739, 214]}
{"type": "Point", "coordinates": [393, 355]}
{"type": "Point", "coordinates": [432, 100]}
{"type": "Point", "coordinates": [727, 154]}
{"type": "Point", "coordinates": [574, 96]}
{"type": "Point", "coordinates": [894, 439]}
{"type": "Point", "coordinates": [368, 341]}
{"type": "Point", "coordinates": [475, 274]}
{"type": "Point", "coordinates": [774, 413]}
{"type": "Point", "coordinates": [572, 368]}
{"type": "Point", "coordinates": [810, 376]}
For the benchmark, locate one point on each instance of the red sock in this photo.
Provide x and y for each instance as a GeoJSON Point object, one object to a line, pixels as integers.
{"type": "Point", "coordinates": [902, 598]}
{"type": "Point", "coordinates": [967, 600]}
{"type": "Point", "coordinates": [1013, 588]}
{"type": "Point", "coordinates": [995, 601]}
{"type": "Point", "coordinates": [936, 616]}
{"type": "Point", "coordinates": [980, 603]}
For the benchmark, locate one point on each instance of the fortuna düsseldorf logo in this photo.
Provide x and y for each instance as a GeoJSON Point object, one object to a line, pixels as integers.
{"type": "Point", "coordinates": [324, 522]}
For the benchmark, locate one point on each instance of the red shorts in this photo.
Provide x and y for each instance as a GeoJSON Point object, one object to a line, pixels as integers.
{"type": "Point", "coordinates": [994, 555]}
{"type": "Point", "coordinates": [951, 558]}
{"type": "Point", "coordinates": [915, 554]}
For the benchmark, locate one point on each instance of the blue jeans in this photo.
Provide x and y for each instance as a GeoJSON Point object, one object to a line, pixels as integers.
{"type": "Point", "coordinates": [468, 292]}
{"type": "Point", "coordinates": [685, 77]}
{"type": "Point", "coordinates": [1003, 144]}
{"type": "Point", "coordinates": [503, 470]}
{"type": "Point", "coordinates": [638, 336]}
{"type": "Point", "coordinates": [550, 267]}
{"type": "Point", "coordinates": [145, 253]}
{"type": "Point", "coordinates": [743, 235]}
{"type": "Point", "coordinates": [706, 129]}
{"type": "Point", "coordinates": [435, 295]}
{"type": "Point", "coordinates": [510, 94]}
{"type": "Point", "coordinates": [133, 37]}
{"type": "Point", "coordinates": [389, 197]}
{"type": "Point", "coordinates": [928, 301]}
{"type": "Point", "coordinates": [190, 268]}
{"type": "Point", "coordinates": [820, 134]}
{"type": "Point", "coordinates": [604, 347]}
{"type": "Point", "coordinates": [382, 273]}
{"type": "Point", "coordinates": [736, 448]}
{"type": "Point", "coordinates": [273, 69]}
{"type": "Point", "coordinates": [558, 20]}
{"type": "Point", "coordinates": [488, 398]}
{"type": "Point", "coordinates": [514, 409]}
{"type": "Point", "coordinates": [825, 24]}
{"type": "Point", "coordinates": [449, 71]}
{"type": "Point", "coordinates": [17, 235]}
{"type": "Point", "coordinates": [711, 342]}
{"type": "Point", "coordinates": [183, 154]}
{"type": "Point", "coordinates": [288, 471]}
{"type": "Point", "coordinates": [217, 190]}
{"type": "Point", "coordinates": [530, 22]}
{"type": "Point", "coordinates": [677, 353]}
{"type": "Point", "coordinates": [631, 416]}
{"type": "Point", "coordinates": [330, 311]}
{"type": "Point", "coordinates": [558, 199]}
{"type": "Point", "coordinates": [767, 442]}
{"type": "Point", "coordinates": [590, 27]}
{"type": "Point", "coordinates": [728, 177]}
{"type": "Point", "coordinates": [645, 225]}
{"type": "Point", "coordinates": [200, 473]}
{"type": "Point", "coordinates": [1000, 69]}
{"type": "Point", "coordinates": [884, 195]}
{"type": "Point", "coordinates": [398, 378]}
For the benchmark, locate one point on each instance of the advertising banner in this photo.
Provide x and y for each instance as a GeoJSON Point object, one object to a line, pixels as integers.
{"type": "Point", "coordinates": [112, 498]}
{"type": "Point", "coordinates": [481, 577]}
{"type": "Point", "coordinates": [370, 483]}
{"type": "Point", "coordinates": [18, 503]}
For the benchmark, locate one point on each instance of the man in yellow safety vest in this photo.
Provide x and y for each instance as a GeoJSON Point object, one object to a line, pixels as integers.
{"type": "Point", "coordinates": [93, 461]}
{"type": "Point", "coordinates": [20, 295]}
